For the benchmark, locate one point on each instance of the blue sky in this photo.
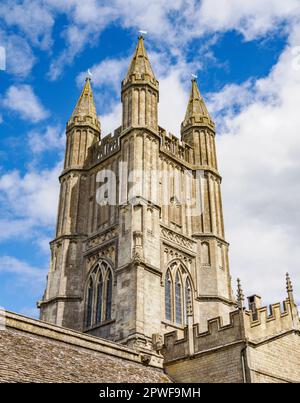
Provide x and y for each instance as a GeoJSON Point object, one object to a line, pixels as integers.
{"type": "Point", "coordinates": [246, 56]}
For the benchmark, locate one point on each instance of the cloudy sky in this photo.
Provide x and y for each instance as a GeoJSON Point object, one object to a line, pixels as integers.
{"type": "Point", "coordinates": [247, 58]}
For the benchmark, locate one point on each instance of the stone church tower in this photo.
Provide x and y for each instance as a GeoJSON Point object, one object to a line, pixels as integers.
{"type": "Point", "coordinates": [140, 261]}
{"type": "Point", "coordinates": [140, 244]}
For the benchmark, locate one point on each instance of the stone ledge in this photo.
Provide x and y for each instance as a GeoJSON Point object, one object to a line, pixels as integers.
{"type": "Point", "coordinates": [71, 337]}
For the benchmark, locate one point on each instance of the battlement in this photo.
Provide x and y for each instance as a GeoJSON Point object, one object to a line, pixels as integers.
{"type": "Point", "coordinates": [271, 320]}
{"type": "Point", "coordinates": [107, 146]}
{"type": "Point", "coordinates": [176, 147]}
{"type": "Point", "coordinates": [216, 335]}
{"type": "Point", "coordinates": [255, 325]}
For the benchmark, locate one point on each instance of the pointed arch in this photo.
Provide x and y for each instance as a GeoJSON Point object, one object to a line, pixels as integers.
{"type": "Point", "coordinates": [168, 296]}
{"type": "Point", "coordinates": [179, 292]}
{"type": "Point", "coordinates": [99, 293]}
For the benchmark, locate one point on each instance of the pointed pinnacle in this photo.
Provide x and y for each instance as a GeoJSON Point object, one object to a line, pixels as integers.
{"type": "Point", "coordinates": [140, 66]}
{"type": "Point", "coordinates": [289, 285]}
{"type": "Point", "coordinates": [85, 109]}
{"type": "Point", "coordinates": [240, 294]}
{"type": "Point", "coordinates": [196, 111]}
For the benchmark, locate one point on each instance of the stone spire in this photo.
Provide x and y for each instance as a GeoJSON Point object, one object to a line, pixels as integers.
{"type": "Point", "coordinates": [140, 92]}
{"type": "Point", "coordinates": [140, 68]}
{"type": "Point", "coordinates": [83, 128]}
{"type": "Point", "coordinates": [85, 110]}
{"type": "Point", "coordinates": [196, 113]}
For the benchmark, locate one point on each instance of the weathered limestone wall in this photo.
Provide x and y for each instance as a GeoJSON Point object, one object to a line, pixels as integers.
{"type": "Point", "coordinates": [219, 366]}
{"type": "Point", "coordinates": [34, 351]}
{"type": "Point", "coordinates": [276, 361]}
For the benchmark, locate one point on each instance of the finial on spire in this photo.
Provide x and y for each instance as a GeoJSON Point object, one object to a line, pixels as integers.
{"type": "Point", "coordinates": [194, 77]}
{"type": "Point", "coordinates": [89, 75]}
{"type": "Point", "coordinates": [240, 294]}
{"type": "Point", "coordinates": [289, 285]}
{"type": "Point", "coordinates": [142, 33]}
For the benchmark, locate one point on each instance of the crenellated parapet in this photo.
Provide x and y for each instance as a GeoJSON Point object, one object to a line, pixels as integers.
{"type": "Point", "coordinates": [103, 149]}
{"type": "Point", "coordinates": [272, 320]}
{"type": "Point", "coordinates": [254, 326]}
{"type": "Point", "coordinates": [216, 335]}
{"type": "Point", "coordinates": [175, 147]}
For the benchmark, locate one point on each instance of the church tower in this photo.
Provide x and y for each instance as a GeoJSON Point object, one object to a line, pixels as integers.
{"type": "Point", "coordinates": [140, 243]}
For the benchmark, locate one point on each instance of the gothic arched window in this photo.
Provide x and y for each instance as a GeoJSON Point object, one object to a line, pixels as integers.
{"type": "Point", "coordinates": [178, 293]}
{"type": "Point", "coordinates": [168, 296]}
{"type": "Point", "coordinates": [178, 298]}
{"type": "Point", "coordinates": [99, 295]}
{"type": "Point", "coordinates": [89, 309]}
{"type": "Point", "coordinates": [108, 296]}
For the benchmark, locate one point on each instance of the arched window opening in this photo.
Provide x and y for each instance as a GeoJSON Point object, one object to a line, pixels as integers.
{"type": "Point", "coordinates": [89, 312]}
{"type": "Point", "coordinates": [99, 295]}
{"type": "Point", "coordinates": [178, 293]}
{"type": "Point", "coordinates": [178, 299]}
{"type": "Point", "coordinates": [99, 299]}
{"type": "Point", "coordinates": [168, 296]}
{"type": "Point", "coordinates": [108, 296]}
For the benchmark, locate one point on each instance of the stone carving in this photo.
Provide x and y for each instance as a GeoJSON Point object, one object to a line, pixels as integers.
{"type": "Point", "coordinates": [177, 238]}
{"type": "Point", "coordinates": [157, 341]}
{"type": "Point", "coordinates": [101, 238]}
{"type": "Point", "coordinates": [106, 253]}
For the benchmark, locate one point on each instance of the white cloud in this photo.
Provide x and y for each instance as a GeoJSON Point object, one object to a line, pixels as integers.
{"type": "Point", "coordinates": [32, 18]}
{"type": "Point", "coordinates": [112, 120]}
{"type": "Point", "coordinates": [30, 279]}
{"type": "Point", "coordinates": [12, 228]}
{"type": "Point", "coordinates": [46, 139]}
{"type": "Point", "coordinates": [171, 24]}
{"type": "Point", "coordinates": [253, 18]}
{"type": "Point", "coordinates": [32, 197]}
{"type": "Point", "coordinates": [22, 99]}
{"type": "Point", "coordinates": [172, 103]}
{"type": "Point", "coordinates": [107, 73]}
{"type": "Point", "coordinates": [19, 56]}
{"type": "Point", "coordinates": [259, 158]}
{"type": "Point", "coordinates": [76, 39]}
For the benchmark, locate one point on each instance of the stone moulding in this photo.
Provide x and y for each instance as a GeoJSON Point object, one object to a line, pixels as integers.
{"type": "Point", "coordinates": [179, 239]}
